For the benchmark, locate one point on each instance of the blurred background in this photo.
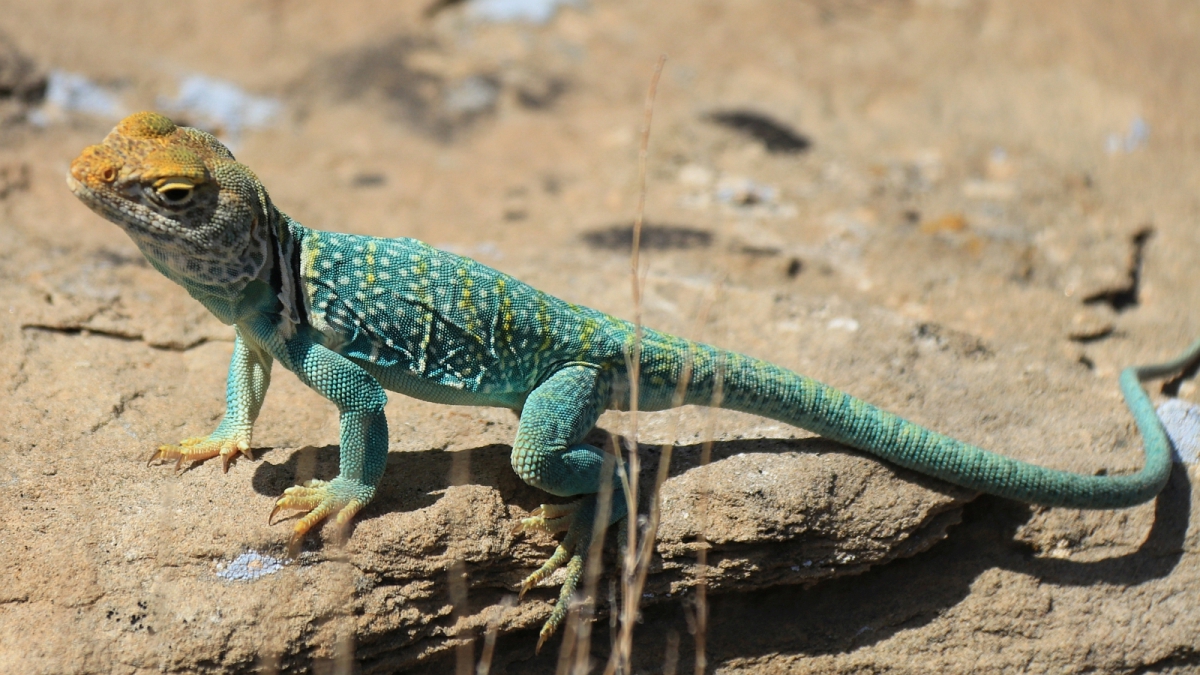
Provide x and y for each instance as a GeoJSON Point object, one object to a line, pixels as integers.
{"type": "Point", "coordinates": [974, 212]}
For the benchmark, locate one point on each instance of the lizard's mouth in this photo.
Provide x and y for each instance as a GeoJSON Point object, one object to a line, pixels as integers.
{"type": "Point", "coordinates": [73, 185]}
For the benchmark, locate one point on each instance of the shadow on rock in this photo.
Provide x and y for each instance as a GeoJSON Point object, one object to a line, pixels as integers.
{"type": "Point", "coordinates": [1155, 558]}
{"type": "Point", "coordinates": [412, 480]}
{"type": "Point", "coordinates": [845, 614]}
{"type": "Point", "coordinates": [780, 606]}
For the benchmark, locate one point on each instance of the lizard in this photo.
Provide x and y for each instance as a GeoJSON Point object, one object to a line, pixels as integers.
{"type": "Point", "coordinates": [355, 316]}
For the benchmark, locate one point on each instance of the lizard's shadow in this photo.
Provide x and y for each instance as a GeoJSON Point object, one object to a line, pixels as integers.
{"type": "Point", "coordinates": [842, 615]}
{"type": "Point", "coordinates": [412, 481]}
{"type": "Point", "coordinates": [835, 616]}
{"type": "Point", "coordinates": [416, 479]}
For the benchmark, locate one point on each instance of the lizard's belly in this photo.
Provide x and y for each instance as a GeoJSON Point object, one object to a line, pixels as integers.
{"type": "Point", "coordinates": [406, 381]}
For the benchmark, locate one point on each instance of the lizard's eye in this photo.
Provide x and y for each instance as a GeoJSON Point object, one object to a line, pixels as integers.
{"type": "Point", "coordinates": [174, 191]}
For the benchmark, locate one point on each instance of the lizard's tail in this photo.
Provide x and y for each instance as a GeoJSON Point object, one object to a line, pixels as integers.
{"type": "Point", "coordinates": [761, 388]}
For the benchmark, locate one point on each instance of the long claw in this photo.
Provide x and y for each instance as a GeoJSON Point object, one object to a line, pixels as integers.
{"type": "Point", "coordinates": [228, 454]}
{"type": "Point", "coordinates": [295, 543]}
{"type": "Point", "coordinates": [277, 509]}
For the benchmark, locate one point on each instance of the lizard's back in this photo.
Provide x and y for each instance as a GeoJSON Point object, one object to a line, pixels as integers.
{"type": "Point", "coordinates": [441, 326]}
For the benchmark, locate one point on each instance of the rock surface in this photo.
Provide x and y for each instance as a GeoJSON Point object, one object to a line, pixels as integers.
{"type": "Point", "coordinates": [973, 213]}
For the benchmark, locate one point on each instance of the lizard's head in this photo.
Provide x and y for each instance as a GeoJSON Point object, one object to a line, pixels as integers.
{"type": "Point", "coordinates": [181, 196]}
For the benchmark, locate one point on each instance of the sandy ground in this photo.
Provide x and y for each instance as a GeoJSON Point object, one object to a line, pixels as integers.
{"type": "Point", "coordinates": [972, 213]}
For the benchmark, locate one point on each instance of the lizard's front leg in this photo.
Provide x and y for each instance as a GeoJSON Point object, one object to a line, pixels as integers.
{"type": "Point", "coordinates": [364, 437]}
{"type": "Point", "coordinates": [245, 389]}
{"type": "Point", "coordinates": [548, 454]}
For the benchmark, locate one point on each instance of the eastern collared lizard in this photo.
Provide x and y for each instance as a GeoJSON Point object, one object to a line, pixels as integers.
{"type": "Point", "coordinates": [353, 316]}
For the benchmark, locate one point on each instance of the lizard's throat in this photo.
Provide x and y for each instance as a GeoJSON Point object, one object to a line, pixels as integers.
{"type": "Point", "coordinates": [225, 277]}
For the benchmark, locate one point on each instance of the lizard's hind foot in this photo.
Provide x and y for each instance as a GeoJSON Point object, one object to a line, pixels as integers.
{"type": "Point", "coordinates": [200, 448]}
{"type": "Point", "coordinates": [577, 519]}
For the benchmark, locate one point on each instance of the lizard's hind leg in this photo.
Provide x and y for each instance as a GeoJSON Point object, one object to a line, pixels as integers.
{"type": "Point", "coordinates": [548, 454]}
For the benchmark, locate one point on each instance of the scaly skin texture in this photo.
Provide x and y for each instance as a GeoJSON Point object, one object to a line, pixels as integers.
{"type": "Point", "coordinates": [352, 316]}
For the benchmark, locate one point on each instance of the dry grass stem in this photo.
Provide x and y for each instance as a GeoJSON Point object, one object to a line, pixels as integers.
{"type": "Point", "coordinates": [620, 658]}
{"type": "Point", "coordinates": [671, 659]}
{"type": "Point", "coordinates": [593, 567]}
{"type": "Point", "coordinates": [646, 549]}
{"type": "Point", "coordinates": [464, 652]}
{"type": "Point", "coordinates": [570, 643]}
{"type": "Point", "coordinates": [702, 524]}
{"type": "Point", "coordinates": [489, 637]}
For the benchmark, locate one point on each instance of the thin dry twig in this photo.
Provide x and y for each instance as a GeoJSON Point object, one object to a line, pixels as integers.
{"type": "Point", "coordinates": [701, 637]}
{"type": "Point", "coordinates": [583, 618]}
{"type": "Point", "coordinates": [671, 659]}
{"type": "Point", "coordinates": [464, 652]}
{"type": "Point", "coordinates": [460, 474]}
{"type": "Point", "coordinates": [620, 657]}
{"type": "Point", "coordinates": [646, 550]}
{"type": "Point", "coordinates": [489, 637]}
{"type": "Point", "coordinates": [570, 644]}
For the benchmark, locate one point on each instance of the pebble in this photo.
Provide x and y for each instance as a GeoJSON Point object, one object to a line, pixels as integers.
{"type": "Point", "coordinates": [249, 566]}
{"type": "Point", "coordinates": [1182, 422]}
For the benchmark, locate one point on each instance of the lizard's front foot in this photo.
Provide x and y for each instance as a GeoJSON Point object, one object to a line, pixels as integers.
{"type": "Point", "coordinates": [322, 499]}
{"type": "Point", "coordinates": [199, 448]}
{"type": "Point", "coordinates": [576, 519]}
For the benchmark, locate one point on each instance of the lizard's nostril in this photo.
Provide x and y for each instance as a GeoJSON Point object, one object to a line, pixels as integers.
{"type": "Point", "coordinates": [93, 165]}
{"type": "Point", "coordinates": [78, 169]}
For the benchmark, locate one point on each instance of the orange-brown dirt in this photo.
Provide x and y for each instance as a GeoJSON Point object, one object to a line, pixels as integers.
{"type": "Point", "coordinates": [966, 224]}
